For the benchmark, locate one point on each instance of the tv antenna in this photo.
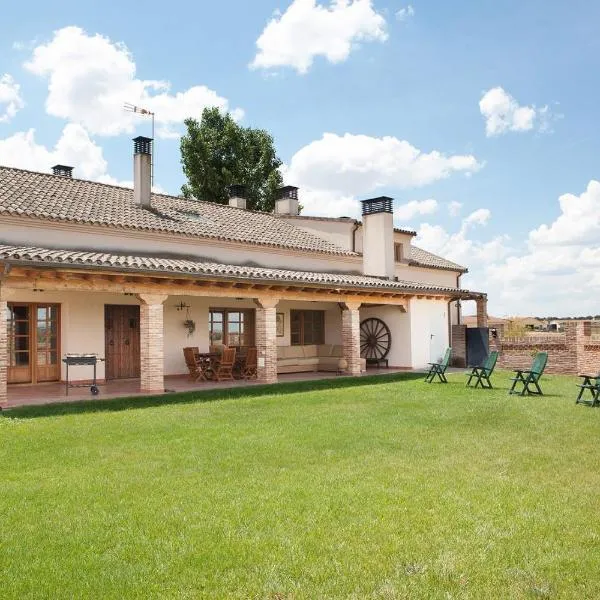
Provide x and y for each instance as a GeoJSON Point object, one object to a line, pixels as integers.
{"type": "Point", "coordinates": [144, 112]}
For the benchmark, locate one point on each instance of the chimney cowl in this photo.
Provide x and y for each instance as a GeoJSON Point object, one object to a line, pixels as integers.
{"type": "Point", "coordinates": [62, 171]}
{"type": "Point", "coordinates": [287, 191]}
{"type": "Point", "coordinates": [377, 205]}
{"type": "Point", "coordinates": [142, 171]}
{"type": "Point", "coordinates": [142, 145]}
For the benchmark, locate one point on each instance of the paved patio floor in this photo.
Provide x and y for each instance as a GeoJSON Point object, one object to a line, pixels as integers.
{"type": "Point", "coordinates": [48, 393]}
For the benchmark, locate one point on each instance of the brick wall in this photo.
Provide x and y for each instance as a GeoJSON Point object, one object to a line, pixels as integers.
{"type": "Point", "coordinates": [570, 353]}
{"type": "Point", "coordinates": [151, 346]}
{"type": "Point", "coordinates": [3, 354]}
{"type": "Point", "coordinates": [459, 345]}
{"type": "Point", "coordinates": [351, 339]}
{"type": "Point", "coordinates": [266, 343]}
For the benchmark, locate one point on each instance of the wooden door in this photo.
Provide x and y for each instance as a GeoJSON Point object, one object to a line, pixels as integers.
{"type": "Point", "coordinates": [33, 332]}
{"type": "Point", "coordinates": [122, 341]}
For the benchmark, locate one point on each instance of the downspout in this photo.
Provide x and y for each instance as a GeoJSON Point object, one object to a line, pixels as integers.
{"type": "Point", "coordinates": [354, 229]}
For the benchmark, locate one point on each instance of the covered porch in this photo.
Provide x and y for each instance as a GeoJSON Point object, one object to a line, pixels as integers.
{"type": "Point", "coordinates": [139, 324]}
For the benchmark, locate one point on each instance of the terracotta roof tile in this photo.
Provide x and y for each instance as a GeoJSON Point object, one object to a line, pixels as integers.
{"type": "Point", "coordinates": [171, 264]}
{"type": "Point", "coordinates": [58, 198]}
{"type": "Point", "coordinates": [423, 258]}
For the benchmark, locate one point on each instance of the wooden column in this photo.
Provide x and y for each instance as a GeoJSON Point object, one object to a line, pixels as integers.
{"type": "Point", "coordinates": [152, 364]}
{"type": "Point", "coordinates": [351, 337]}
{"type": "Point", "coordinates": [266, 339]}
{"type": "Point", "coordinates": [482, 316]}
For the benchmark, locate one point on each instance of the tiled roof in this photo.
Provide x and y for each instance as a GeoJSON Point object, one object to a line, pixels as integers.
{"type": "Point", "coordinates": [188, 266]}
{"type": "Point", "coordinates": [57, 198]}
{"type": "Point", "coordinates": [422, 258]}
{"type": "Point", "coordinates": [342, 220]}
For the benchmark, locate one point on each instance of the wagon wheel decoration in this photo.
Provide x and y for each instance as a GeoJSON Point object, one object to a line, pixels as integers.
{"type": "Point", "coordinates": [375, 339]}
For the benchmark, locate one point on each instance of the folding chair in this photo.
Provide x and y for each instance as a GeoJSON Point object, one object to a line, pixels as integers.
{"type": "Point", "coordinates": [482, 374]}
{"type": "Point", "coordinates": [531, 377]}
{"type": "Point", "coordinates": [224, 370]}
{"type": "Point", "coordinates": [439, 369]}
{"type": "Point", "coordinates": [590, 383]}
{"type": "Point", "coordinates": [250, 364]}
{"type": "Point", "coordinates": [193, 364]}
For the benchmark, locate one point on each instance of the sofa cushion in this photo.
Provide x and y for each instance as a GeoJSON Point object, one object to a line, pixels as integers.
{"type": "Point", "coordinates": [284, 352]}
{"type": "Point", "coordinates": [337, 351]}
{"type": "Point", "coordinates": [324, 350]}
{"type": "Point", "coordinates": [310, 351]}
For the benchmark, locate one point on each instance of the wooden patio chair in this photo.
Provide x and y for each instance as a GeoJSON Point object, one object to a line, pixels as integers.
{"type": "Point", "coordinates": [591, 383]}
{"type": "Point", "coordinates": [250, 364]}
{"type": "Point", "coordinates": [439, 369]}
{"type": "Point", "coordinates": [224, 370]}
{"type": "Point", "coordinates": [193, 364]}
{"type": "Point", "coordinates": [530, 378]}
{"type": "Point", "coordinates": [483, 373]}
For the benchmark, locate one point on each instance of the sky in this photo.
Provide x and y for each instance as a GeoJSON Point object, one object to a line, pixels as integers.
{"type": "Point", "coordinates": [481, 118]}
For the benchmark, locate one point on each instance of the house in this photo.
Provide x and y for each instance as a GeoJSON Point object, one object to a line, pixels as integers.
{"type": "Point", "coordinates": [94, 268]}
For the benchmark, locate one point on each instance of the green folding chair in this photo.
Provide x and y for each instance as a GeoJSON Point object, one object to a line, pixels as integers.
{"type": "Point", "coordinates": [591, 383]}
{"type": "Point", "coordinates": [439, 369]}
{"type": "Point", "coordinates": [530, 378]}
{"type": "Point", "coordinates": [483, 373]}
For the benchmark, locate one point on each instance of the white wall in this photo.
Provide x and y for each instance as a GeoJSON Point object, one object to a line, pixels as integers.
{"type": "Point", "coordinates": [29, 232]}
{"type": "Point", "coordinates": [399, 324]}
{"type": "Point", "coordinates": [429, 331]}
{"type": "Point", "coordinates": [337, 232]}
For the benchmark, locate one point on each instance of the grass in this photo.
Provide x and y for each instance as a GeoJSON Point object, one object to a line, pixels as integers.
{"type": "Point", "coordinates": [373, 488]}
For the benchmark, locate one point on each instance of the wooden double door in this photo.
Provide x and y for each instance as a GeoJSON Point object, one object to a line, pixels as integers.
{"type": "Point", "coordinates": [122, 341]}
{"type": "Point", "coordinates": [33, 339]}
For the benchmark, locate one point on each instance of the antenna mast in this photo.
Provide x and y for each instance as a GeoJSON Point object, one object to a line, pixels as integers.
{"type": "Point", "coordinates": [144, 112]}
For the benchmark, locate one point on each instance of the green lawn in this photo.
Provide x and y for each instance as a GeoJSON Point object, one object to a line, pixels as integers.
{"type": "Point", "coordinates": [374, 488]}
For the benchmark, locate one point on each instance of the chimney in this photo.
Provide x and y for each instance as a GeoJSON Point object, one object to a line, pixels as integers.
{"type": "Point", "coordinates": [287, 201]}
{"type": "Point", "coordinates": [237, 196]}
{"type": "Point", "coordinates": [378, 237]}
{"type": "Point", "coordinates": [62, 171]}
{"type": "Point", "coordinates": [142, 170]}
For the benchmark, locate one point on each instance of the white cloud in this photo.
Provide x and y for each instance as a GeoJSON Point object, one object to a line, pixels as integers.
{"type": "Point", "coordinates": [334, 170]}
{"type": "Point", "coordinates": [454, 208]}
{"type": "Point", "coordinates": [307, 30]}
{"type": "Point", "coordinates": [10, 98]}
{"type": "Point", "coordinates": [405, 13]}
{"type": "Point", "coordinates": [503, 113]}
{"type": "Point", "coordinates": [90, 78]}
{"type": "Point", "coordinates": [74, 148]}
{"type": "Point", "coordinates": [408, 211]}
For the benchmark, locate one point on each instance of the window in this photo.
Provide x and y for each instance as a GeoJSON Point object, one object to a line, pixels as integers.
{"type": "Point", "coordinates": [307, 327]}
{"type": "Point", "coordinates": [231, 327]}
{"type": "Point", "coordinates": [398, 252]}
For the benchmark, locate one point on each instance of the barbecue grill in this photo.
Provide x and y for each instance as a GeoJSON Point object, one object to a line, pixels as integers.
{"type": "Point", "coordinates": [79, 360]}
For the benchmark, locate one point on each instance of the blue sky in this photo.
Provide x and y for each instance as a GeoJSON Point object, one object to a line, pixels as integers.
{"type": "Point", "coordinates": [409, 81]}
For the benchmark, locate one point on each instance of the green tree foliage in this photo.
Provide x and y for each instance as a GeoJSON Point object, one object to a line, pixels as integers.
{"type": "Point", "coordinates": [217, 152]}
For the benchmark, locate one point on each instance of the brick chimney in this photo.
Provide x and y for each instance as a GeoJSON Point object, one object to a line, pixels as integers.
{"type": "Point", "coordinates": [237, 196]}
{"type": "Point", "coordinates": [142, 170]}
{"type": "Point", "coordinates": [62, 171]}
{"type": "Point", "coordinates": [287, 201]}
{"type": "Point", "coordinates": [378, 237]}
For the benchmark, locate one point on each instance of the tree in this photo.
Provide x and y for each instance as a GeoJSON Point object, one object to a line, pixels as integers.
{"type": "Point", "coordinates": [217, 152]}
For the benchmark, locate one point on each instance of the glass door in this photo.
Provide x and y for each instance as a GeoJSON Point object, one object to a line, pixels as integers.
{"type": "Point", "coordinates": [33, 342]}
{"type": "Point", "coordinates": [19, 343]}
